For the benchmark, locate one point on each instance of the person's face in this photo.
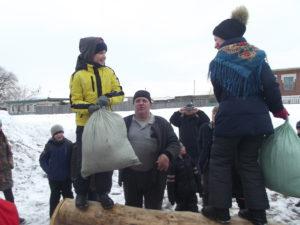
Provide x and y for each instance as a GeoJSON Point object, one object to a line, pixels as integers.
{"type": "Point", "coordinates": [59, 136]}
{"type": "Point", "coordinates": [100, 58]}
{"type": "Point", "coordinates": [218, 42]}
{"type": "Point", "coordinates": [189, 112]}
{"type": "Point", "coordinates": [142, 106]}
{"type": "Point", "coordinates": [182, 151]}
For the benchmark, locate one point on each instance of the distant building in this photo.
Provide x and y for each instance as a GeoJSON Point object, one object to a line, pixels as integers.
{"type": "Point", "coordinates": [38, 106]}
{"type": "Point", "coordinates": [289, 84]}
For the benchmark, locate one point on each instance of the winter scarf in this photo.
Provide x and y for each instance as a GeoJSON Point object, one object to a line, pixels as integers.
{"type": "Point", "coordinates": [237, 68]}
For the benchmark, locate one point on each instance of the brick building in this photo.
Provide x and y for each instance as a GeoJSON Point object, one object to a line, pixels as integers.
{"type": "Point", "coordinates": [289, 84]}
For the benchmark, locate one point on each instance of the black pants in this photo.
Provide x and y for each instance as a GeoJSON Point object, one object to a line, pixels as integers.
{"type": "Point", "coordinates": [103, 181]}
{"type": "Point", "coordinates": [59, 188]}
{"type": "Point", "coordinates": [8, 194]}
{"type": "Point", "coordinates": [188, 203]}
{"type": "Point", "coordinates": [237, 188]}
{"type": "Point", "coordinates": [147, 187]}
{"type": "Point", "coordinates": [222, 159]}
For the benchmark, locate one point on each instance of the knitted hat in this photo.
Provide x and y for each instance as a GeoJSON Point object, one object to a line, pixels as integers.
{"type": "Point", "coordinates": [56, 129]}
{"type": "Point", "coordinates": [233, 27]}
{"type": "Point", "coordinates": [101, 47]}
{"type": "Point", "coordinates": [189, 107]}
{"type": "Point", "coordinates": [298, 125]}
{"type": "Point", "coordinates": [142, 93]}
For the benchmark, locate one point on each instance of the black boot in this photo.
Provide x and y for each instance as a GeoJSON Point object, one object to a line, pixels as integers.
{"type": "Point", "coordinates": [241, 203]}
{"type": "Point", "coordinates": [81, 201]}
{"type": "Point", "coordinates": [21, 221]}
{"type": "Point", "coordinates": [218, 214]}
{"type": "Point", "coordinates": [257, 217]}
{"type": "Point", "coordinates": [106, 201]}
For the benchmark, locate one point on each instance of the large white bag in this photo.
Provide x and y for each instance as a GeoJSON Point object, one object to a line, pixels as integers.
{"type": "Point", "coordinates": [105, 146]}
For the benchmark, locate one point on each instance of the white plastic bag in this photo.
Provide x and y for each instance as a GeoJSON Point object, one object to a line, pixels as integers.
{"type": "Point", "coordinates": [105, 146]}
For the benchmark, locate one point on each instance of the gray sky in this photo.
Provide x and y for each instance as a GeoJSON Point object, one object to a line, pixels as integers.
{"type": "Point", "coordinates": [159, 45]}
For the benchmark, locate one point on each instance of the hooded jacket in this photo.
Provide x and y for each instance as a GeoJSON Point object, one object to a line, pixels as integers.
{"type": "Point", "coordinates": [91, 80]}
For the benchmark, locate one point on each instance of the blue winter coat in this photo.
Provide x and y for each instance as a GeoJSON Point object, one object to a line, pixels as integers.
{"type": "Point", "coordinates": [55, 159]}
{"type": "Point", "coordinates": [247, 115]}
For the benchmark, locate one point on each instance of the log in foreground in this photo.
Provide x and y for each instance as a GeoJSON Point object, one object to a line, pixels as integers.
{"type": "Point", "coordinates": [67, 214]}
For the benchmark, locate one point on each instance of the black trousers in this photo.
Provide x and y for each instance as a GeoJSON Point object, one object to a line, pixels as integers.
{"type": "Point", "coordinates": [103, 181]}
{"type": "Point", "coordinates": [237, 188]}
{"type": "Point", "coordinates": [187, 203]}
{"type": "Point", "coordinates": [222, 158]}
{"type": "Point", "coordinates": [59, 188]}
{"type": "Point", "coordinates": [144, 187]}
{"type": "Point", "coordinates": [8, 194]}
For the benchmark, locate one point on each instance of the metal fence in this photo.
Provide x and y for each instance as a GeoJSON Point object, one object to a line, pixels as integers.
{"type": "Point", "coordinates": [55, 109]}
{"type": "Point", "coordinates": [293, 99]}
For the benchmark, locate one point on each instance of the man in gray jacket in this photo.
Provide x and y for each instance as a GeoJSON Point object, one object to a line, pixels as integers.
{"type": "Point", "coordinates": [155, 144]}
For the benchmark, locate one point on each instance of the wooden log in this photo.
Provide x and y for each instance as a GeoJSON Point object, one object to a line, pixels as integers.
{"type": "Point", "coordinates": [67, 214]}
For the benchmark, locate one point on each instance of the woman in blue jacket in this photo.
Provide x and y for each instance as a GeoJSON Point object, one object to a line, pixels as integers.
{"type": "Point", "coordinates": [246, 91]}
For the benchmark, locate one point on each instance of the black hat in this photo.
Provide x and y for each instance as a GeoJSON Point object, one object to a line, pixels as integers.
{"type": "Point", "coordinates": [233, 27]}
{"type": "Point", "coordinates": [101, 47]}
{"type": "Point", "coordinates": [298, 125]}
{"type": "Point", "coordinates": [142, 93]}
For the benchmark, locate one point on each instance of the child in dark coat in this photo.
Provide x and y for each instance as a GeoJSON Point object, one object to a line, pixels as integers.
{"type": "Point", "coordinates": [55, 161]}
{"type": "Point", "coordinates": [183, 182]}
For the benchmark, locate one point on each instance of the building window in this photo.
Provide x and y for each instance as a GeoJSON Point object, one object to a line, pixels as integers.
{"type": "Point", "coordinates": [27, 108]}
{"type": "Point", "coordinates": [288, 81]}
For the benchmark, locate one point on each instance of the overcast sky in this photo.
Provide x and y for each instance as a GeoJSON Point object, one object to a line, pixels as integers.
{"type": "Point", "coordinates": [159, 45]}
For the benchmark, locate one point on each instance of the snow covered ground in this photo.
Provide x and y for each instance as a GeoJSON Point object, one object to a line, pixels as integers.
{"type": "Point", "coordinates": [29, 133]}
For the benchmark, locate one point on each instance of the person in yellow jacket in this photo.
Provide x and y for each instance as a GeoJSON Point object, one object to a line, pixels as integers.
{"type": "Point", "coordinates": [92, 86]}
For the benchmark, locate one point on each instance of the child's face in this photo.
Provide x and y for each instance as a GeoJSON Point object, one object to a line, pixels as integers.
{"type": "Point", "coordinates": [182, 151]}
{"type": "Point", "coordinates": [100, 58]}
{"type": "Point", "coordinates": [59, 136]}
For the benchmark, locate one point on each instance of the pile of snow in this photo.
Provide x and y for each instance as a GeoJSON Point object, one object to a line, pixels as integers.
{"type": "Point", "coordinates": [29, 133]}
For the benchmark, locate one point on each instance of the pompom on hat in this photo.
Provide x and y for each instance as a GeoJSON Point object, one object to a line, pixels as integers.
{"type": "Point", "coordinates": [235, 26]}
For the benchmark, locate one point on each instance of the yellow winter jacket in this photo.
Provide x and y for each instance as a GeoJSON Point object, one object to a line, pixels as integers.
{"type": "Point", "coordinates": [86, 86]}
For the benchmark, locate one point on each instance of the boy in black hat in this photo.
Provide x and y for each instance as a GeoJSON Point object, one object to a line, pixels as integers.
{"type": "Point", "coordinates": [92, 86]}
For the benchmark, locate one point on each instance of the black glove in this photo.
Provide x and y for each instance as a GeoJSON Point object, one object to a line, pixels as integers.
{"type": "Point", "coordinates": [103, 101]}
{"type": "Point", "coordinates": [93, 108]}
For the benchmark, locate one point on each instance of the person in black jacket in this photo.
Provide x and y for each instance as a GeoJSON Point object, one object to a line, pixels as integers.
{"type": "Point", "coordinates": [189, 119]}
{"type": "Point", "coordinates": [183, 182]}
{"type": "Point", "coordinates": [246, 90]}
{"type": "Point", "coordinates": [55, 161]}
{"type": "Point", "coordinates": [155, 144]}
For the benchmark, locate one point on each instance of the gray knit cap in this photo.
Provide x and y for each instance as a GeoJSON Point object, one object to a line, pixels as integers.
{"type": "Point", "coordinates": [56, 129]}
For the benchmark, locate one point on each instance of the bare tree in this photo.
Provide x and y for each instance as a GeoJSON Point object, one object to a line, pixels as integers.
{"type": "Point", "coordinates": [10, 89]}
{"type": "Point", "coordinates": [8, 85]}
